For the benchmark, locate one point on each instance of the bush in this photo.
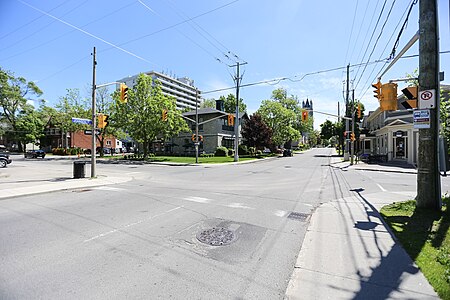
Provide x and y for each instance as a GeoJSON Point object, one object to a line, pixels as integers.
{"type": "Point", "coordinates": [259, 153]}
{"type": "Point", "coordinates": [230, 152]}
{"type": "Point", "coordinates": [252, 151]}
{"type": "Point", "coordinates": [243, 150]}
{"type": "Point", "coordinates": [221, 151]}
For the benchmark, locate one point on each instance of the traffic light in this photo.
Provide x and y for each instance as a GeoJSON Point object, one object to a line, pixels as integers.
{"type": "Point", "coordinates": [304, 115]}
{"type": "Point", "coordinates": [411, 94]}
{"type": "Point", "coordinates": [193, 137]}
{"type": "Point", "coordinates": [200, 138]}
{"type": "Point", "coordinates": [359, 110]}
{"type": "Point", "coordinates": [123, 93]}
{"type": "Point", "coordinates": [352, 137]}
{"type": "Point", "coordinates": [164, 115]}
{"type": "Point", "coordinates": [377, 91]}
{"type": "Point", "coordinates": [102, 121]}
{"type": "Point", "coordinates": [388, 99]}
{"type": "Point", "coordinates": [230, 120]}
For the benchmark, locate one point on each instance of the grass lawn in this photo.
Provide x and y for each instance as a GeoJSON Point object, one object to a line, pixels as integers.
{"type": "Point", "coordinates": [191, 160]}
{"type": "Point", "coordinates": [425, 235]}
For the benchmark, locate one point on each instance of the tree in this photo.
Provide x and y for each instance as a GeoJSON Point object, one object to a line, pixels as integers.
{"type": "Point", "coordinates": [208, 103]}
{"type": "Point", "coordinates": [72, 105]}
{"type": "Point", "coordinates": [327, 130]}
{"type": "Point", "coordinates": [30, 126]}
{"type": "Point", "coordinates": [256, 133]}
{"type": "Point", "coordinates": [14, 94]}
{"type": "Point", "coordinates": [445, 113]}
{"type": "Point", "coordinates": [229, 104]}
{"type": "Point", "coordinates": [141, 116]}
{"type": "Point", "coordinates": [281, 120]}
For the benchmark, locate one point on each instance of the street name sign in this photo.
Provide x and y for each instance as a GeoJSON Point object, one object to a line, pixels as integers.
{"type": "Point", "coordinates": [89, 132]}
{"type": "Point", "coordinates": [421, 118]}
{"type": "Point", "coordinates": [81, 121]}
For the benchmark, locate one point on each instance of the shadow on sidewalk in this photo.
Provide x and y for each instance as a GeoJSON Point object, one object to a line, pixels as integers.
{"type": "Point", "coordinates": [387, 277]}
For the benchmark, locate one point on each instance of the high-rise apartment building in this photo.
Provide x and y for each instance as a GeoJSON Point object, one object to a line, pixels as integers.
{"type": "Point", "coordinates": [182, 89]}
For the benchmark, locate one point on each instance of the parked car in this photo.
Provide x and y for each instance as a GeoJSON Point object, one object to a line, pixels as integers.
{"type": "Point", "coordinates": [287, 152]}
{"type": "Point", "coordinates": [4, 159]}
{"type": "Point", "coordinates": [35, 154]}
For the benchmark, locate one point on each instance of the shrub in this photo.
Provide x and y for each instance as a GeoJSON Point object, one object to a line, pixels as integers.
{"type": "Point", "coordinates": [252, 151]}
{"type": "Point", "coordinates": [221, 151]}
{"type": "Point", "coordinates": [243, 150]}
{"type": "Point", "coordinates": [230, 152]}
{"type": "Point", "coordinates": [259, 153]}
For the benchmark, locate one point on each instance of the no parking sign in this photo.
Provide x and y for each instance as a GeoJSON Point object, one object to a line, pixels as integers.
{"type": "Point", "coordinates": [427, 99]}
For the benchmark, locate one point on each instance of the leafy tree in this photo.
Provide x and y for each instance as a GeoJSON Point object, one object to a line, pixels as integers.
{"type": "Point", "coordinates": [208, 103]}
{"type": "Point", "coordinates": [229, 104]}
{"type": "Point", "coordinates": [14, 94]}
{"type": "Point", "coordinates": [72, 105]}
{"type": "Point", "coordinates": [256, 133]}
{"type": "Point", "coordinates": [281, 120]}
{"type": "Point", "coordinates": [327, 130]}
{"type": "Point", "coordinates": [30, 126]}
{"type": "Point", "coordinates": [141, 116]}
{"type": "Point", "coordinates": [445, 113]}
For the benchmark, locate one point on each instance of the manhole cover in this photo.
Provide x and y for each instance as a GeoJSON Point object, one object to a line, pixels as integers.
{"type": "Point", "coordinates": [298, 216]}
{"type": "Point", "coordinates": [216, 236]}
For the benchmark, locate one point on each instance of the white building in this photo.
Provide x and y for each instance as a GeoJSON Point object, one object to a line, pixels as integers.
{"type": "Point", "coordinates": [182, 89]}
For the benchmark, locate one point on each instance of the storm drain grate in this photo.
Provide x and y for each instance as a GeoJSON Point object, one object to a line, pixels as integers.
{"type": "Point", "coordinates": [298, 216]}
{"type": "Point", "coordinates": [216, 236]}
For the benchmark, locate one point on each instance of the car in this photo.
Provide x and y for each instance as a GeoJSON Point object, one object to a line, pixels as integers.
{"type": "Point", "coordinates": [35, 154]}
{"type": "Point", "coordinates": [4, 160]}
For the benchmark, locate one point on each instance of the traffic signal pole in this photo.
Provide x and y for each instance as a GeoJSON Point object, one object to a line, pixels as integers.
{"type": "Point", "coordinates": [428, 176]}
{"type": "Point", "coordinates": [94, 118]}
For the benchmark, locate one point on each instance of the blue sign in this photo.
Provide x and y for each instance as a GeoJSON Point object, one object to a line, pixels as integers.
{"type": "Point", "coordinates": [82, 121]}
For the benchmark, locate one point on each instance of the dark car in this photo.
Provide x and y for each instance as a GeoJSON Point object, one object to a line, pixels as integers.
{"type": "Point", "coordinates": [4, 160]}
{"type": "Point", "coordinates": [35, 154]}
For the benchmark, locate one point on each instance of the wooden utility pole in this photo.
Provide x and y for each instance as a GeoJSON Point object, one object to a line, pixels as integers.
{"type": "Point", "coordinates": [196, 126]}
{"type": "Point", "coordinates": [94, 118]}
{"type": "Point", "coordinates": [347, 110]}
{"type": "Point", "coordinates": [428, 177]}
{"type": "Point", "coordinates": [238, 80]}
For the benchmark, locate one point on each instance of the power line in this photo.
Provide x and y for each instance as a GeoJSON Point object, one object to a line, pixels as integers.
{"type": "Point", "coordinates": [401, 30]}
{"type": "Point", "coordinates": [376, 42]}
{"type": "Point", "coordinates": [371, 37]}
{"type": "Point", "coordinates": [351, 31]}
{"type": "Point", "coordinates": [85, 32]}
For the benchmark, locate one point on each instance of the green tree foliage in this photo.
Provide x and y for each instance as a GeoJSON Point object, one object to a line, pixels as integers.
{"type": "Point", "coordinates": [29, 125]}
{"type": "Point", "coordinates": [327, 130]}
{"type": "Point", "coordinates": [229, 104]}
{"type": "Point", "coordinates": [14, 94]}
{"type": "Point", "coordinates": [256, 133]}
{"type": "Point", "coordinates": [208, 103]}
{"type": "Point", "coordinates": [445, 113]}
{"type": "Point", "coordinates": [141, 116]}
{"type": "Point", "coordinates": [281, 120]}
{"type": "Point", "coordinates": [72, 105]}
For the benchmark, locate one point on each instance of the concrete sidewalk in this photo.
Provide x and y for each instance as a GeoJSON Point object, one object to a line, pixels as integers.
{"type": "Point", "coordinates": [349, 252]}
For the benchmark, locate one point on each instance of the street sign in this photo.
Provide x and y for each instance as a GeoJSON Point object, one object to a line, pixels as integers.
{"type": "Point", "coordinates": [421, 118]}
{"type": "Point", "coordinates": [81, 121]}
{"type": "Point", "coordinates": [89, 132]}
{"type": "Point", "coordinates": [427, 99]}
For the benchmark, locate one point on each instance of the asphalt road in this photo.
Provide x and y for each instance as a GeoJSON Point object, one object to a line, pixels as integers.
{"type": "Point", "coordinates": [142, 239]}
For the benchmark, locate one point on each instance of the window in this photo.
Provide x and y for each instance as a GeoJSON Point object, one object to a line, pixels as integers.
{"type": "Point", "coordinates": [108, 143]}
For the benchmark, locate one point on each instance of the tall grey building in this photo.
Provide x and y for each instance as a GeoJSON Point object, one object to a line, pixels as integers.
{"type": "Point", "coordinates": [182, 89]}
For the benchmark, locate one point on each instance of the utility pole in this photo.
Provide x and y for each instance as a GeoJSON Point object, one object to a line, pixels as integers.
{"type": "Point", "coordinates": [238, 80]}
{"type": "Point", "coordinates": [428, 177]}
{"type": "Point", "coordinates": [94, 117]}
{"type": "Point", "coordinates": [347, 110]}
{"type": "Point", "coordinates": [352, 142]}
{"type": "Point", "coordinates": [196, 126]}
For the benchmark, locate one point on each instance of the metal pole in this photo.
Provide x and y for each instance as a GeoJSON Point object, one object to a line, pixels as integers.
{"type": "Point", "coordinates": [428, 177]}
{"type": "Point", "coordinates": [196, 126]}
{"type": "Point", "coordinates": [94, 136]}
{"type": "Point", "coordinates": [352, 143]}
{"type": "Point", "coordinates": [347, 125]}
{"type": "Point", "coordinates": [236, 122]}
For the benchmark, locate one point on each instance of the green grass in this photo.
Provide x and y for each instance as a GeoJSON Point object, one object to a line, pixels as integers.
{"type": "Point", "coordinates": [425, 235]}
{"type": "Point", "coordinates": [189, 160]}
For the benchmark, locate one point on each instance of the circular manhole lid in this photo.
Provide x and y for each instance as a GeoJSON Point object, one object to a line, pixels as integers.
{"type": "Point", "coordinates": [216, 236]}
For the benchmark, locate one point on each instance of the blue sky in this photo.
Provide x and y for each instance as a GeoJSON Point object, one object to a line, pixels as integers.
{"type": "Point", "coordinates": [50, 42]}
